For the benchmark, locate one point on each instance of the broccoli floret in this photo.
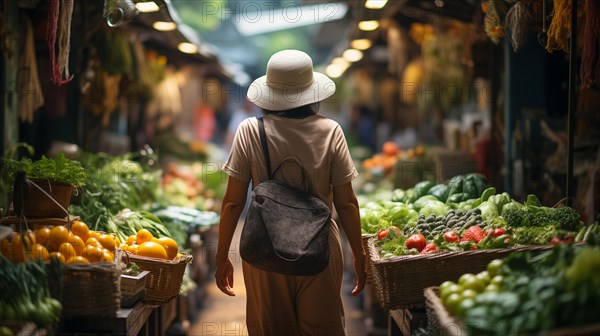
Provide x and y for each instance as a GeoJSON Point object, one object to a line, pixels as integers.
{"type": "Point", "coordinates": [517, 218]}
{"type": "Point", "coordinates": [568, 218]}
{"type": "Point", "coordinates": [565, 218]}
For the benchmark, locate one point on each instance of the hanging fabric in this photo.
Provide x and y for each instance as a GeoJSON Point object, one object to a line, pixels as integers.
{"type": "Point", "coordinates": [560, 26]}
{"type": "Point", "coordinates": [59, 22]}
{"type": "Point", "coordinates": [29, 90]}
{"type": "Point", "coordinates": [590, 59]}
{"type": "Point", "coordinates": [516, 23]}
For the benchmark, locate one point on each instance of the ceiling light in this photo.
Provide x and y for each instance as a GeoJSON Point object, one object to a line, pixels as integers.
{"type": "Point", "coordinates": [368, 25]}
{"type": "Point", "coordinates": [335, 70]}
{"type": "Point", "coordinates": [164, 25]}
{"type": "Point", "coordinates": [188, 48]}
{"type": "Point", "coordinates": [361, 44]}
{"type": "Point", "coordinates": [352, 55]}
{"type": "Point", "coordinates": [147, 7]}
{"type": "Point", "coordinates": [375, 4]}
{"type": "Point", "coordinates": [340, 61]}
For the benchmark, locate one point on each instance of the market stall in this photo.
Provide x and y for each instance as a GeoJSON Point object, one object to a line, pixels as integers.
{"type": "Point", "coordinates": [122, 244]}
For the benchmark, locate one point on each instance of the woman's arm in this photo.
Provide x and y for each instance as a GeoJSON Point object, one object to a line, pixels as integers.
{"type": "Point", "coordinates": [346, 206]}
{"type": "Point", "coordinates": [234, 201]}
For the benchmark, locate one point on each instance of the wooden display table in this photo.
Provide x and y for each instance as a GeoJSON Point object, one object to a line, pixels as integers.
{"type": "Point", "coordinates": [133, 321]}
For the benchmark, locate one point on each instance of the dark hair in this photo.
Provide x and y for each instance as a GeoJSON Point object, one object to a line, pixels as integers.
{"type": "Point", "coordinates": [304, 109]}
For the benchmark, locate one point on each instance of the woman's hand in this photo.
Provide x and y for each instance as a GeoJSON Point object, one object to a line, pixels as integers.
{"type": "Point", "coordinates": [224, 276]}
{"type": "Point", "coordinates": [361, 275]}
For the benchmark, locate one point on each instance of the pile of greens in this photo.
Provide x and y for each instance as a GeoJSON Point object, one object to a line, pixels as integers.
{"type": "Point", "coordinates": [556, 289]}
{"type": "Point", "coordinates": [58, 169]}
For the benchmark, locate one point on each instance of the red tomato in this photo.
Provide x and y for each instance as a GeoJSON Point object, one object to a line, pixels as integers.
{"type": "Point", "coordinates": [498, 232]}
{"type": "Point", "coordinates": [416, 241]}
{"type": "Point", "coordinates": [382, 234]}
{"type": "Point", "coordinates": [451, 237]}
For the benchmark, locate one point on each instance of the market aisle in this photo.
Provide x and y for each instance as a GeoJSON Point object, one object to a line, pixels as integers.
{"type": "Point", "coordinates": [224, 315]}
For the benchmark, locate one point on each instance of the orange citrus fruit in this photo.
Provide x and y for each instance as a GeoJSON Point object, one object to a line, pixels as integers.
{"type": "Point", "coordinates": [19, 246]}
{"type": "Point", "coordinates": [58, 235]}
{"type": "Point", "coordinates": [93, 234]}
{"type": "Point", "coordinates": [143, 236]}
{"type": "Point", "coordinates": [77, 243]}
{"type": "Point", "coordinates": [170, 246]}
{"type": "Point", "coordinates": [58, 256]}
{"type": "Point", "coordinates": [42, 234]}
{"type": "Point", "coordinates": [92, 253]}
{"type": "Point", "coordinates": [107, 256]}
{"type": "Point", "coordinates": [80, 229]}
{"type": "Point", "coordinates": [6, 248]}
{"type": "Point", "coordinates": [107, 241]}
{"type": "Point", "coordinates": [38, 251]}
{"type": "Point", "coordinates": [67, 250]}
{"type": "Point", "coordinates": [130, 240]}
{"type": "Point", "coordinates": [93, 242]}
{"type": "Point", "coordinates": [133, 248]}
{"type": "Point", "coordinates": [152, 249]}
{"type": "Point", "coordinates": [77, 260]}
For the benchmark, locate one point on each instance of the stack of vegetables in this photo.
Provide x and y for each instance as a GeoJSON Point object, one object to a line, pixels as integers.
{"type": "Point", "coordinates": [464, 215]}
{"type": "Point", "coordinates": [25, 294]}
{"type": "Point", "coordinates": [196, 185]}
{"type": "Point", "coordinates": [529, 294]}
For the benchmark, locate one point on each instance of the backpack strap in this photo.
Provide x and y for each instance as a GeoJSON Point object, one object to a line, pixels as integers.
{"type": "Point", "coordinates": [265, 147]}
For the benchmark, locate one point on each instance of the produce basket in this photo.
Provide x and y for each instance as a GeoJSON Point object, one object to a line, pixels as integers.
{"type": "Point", "coordinates": [164, 280]}
{"type": "Point", "coordinates": [401, 280]}
{"type": "Point", "coordinates": [19, 224]}
{"type": "Point", "coordinates": [42, 198]}
{"type": "Point", "coordinates": [368, 267]}
{"type": "Point", "coordinates": [89, 290]}
{"type": "Point", "coordinates": [440, 322]}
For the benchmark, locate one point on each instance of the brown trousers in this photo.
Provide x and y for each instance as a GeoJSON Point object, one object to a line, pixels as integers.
{"type": "Point", "coordinates": [278, 304]}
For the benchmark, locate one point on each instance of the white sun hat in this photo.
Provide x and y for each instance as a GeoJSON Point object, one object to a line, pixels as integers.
{"type": "Point", "coordinates": [290, 82]}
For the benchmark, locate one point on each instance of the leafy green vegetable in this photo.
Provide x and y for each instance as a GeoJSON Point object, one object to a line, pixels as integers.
{"type": "Point", "coordinates": [435, 208]}
{"type": "Point", "coordinates": [58, 169]}
{"type": "Point", "coordinates": [440, 191]}
{"type": "Point", "coordinates": [489, 210]}
{"type": "Point", "coordinates": [422, 201]}
{"type": "Point", "coordinates": [422, 188]}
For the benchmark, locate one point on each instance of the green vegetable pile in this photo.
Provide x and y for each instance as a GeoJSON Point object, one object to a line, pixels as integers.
{"type": "Point", "coordinates": [58, 169]}
{"type": "Point", "coordinates": [115, 183]}
{"type": "Point", "coordinates": [534, 293]}
{"type": "Point", "coordinates": [24, 292]}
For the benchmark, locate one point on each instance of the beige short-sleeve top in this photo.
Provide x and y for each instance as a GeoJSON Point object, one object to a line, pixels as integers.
{"type": "Point", "coordinates": [317, 143]}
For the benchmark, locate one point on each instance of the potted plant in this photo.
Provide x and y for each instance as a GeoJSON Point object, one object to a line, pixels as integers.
{"type": "Point", "coordinates": [43, 188]}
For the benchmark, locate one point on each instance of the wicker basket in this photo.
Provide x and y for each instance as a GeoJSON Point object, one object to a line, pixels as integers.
{"type": "Point", "coordinates": [440, 322]}
{"type": "Point", "coordinates": [89, 290]}
{"type": "Point", "coordinates": [52, 202]}
{"type": "Point", "coordinates": [368, 266]}
{"type": "Point", "coordinates": [400, 280]}
{"type": "Point", "coordinates": [164, 281]}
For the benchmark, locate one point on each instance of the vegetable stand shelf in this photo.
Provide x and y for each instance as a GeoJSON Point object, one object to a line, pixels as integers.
{"type": "Point", "coordinates": [401, 280]}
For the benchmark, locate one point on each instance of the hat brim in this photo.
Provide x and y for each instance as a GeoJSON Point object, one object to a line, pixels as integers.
{"type": "Point", "coordinates": [281, 99]}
